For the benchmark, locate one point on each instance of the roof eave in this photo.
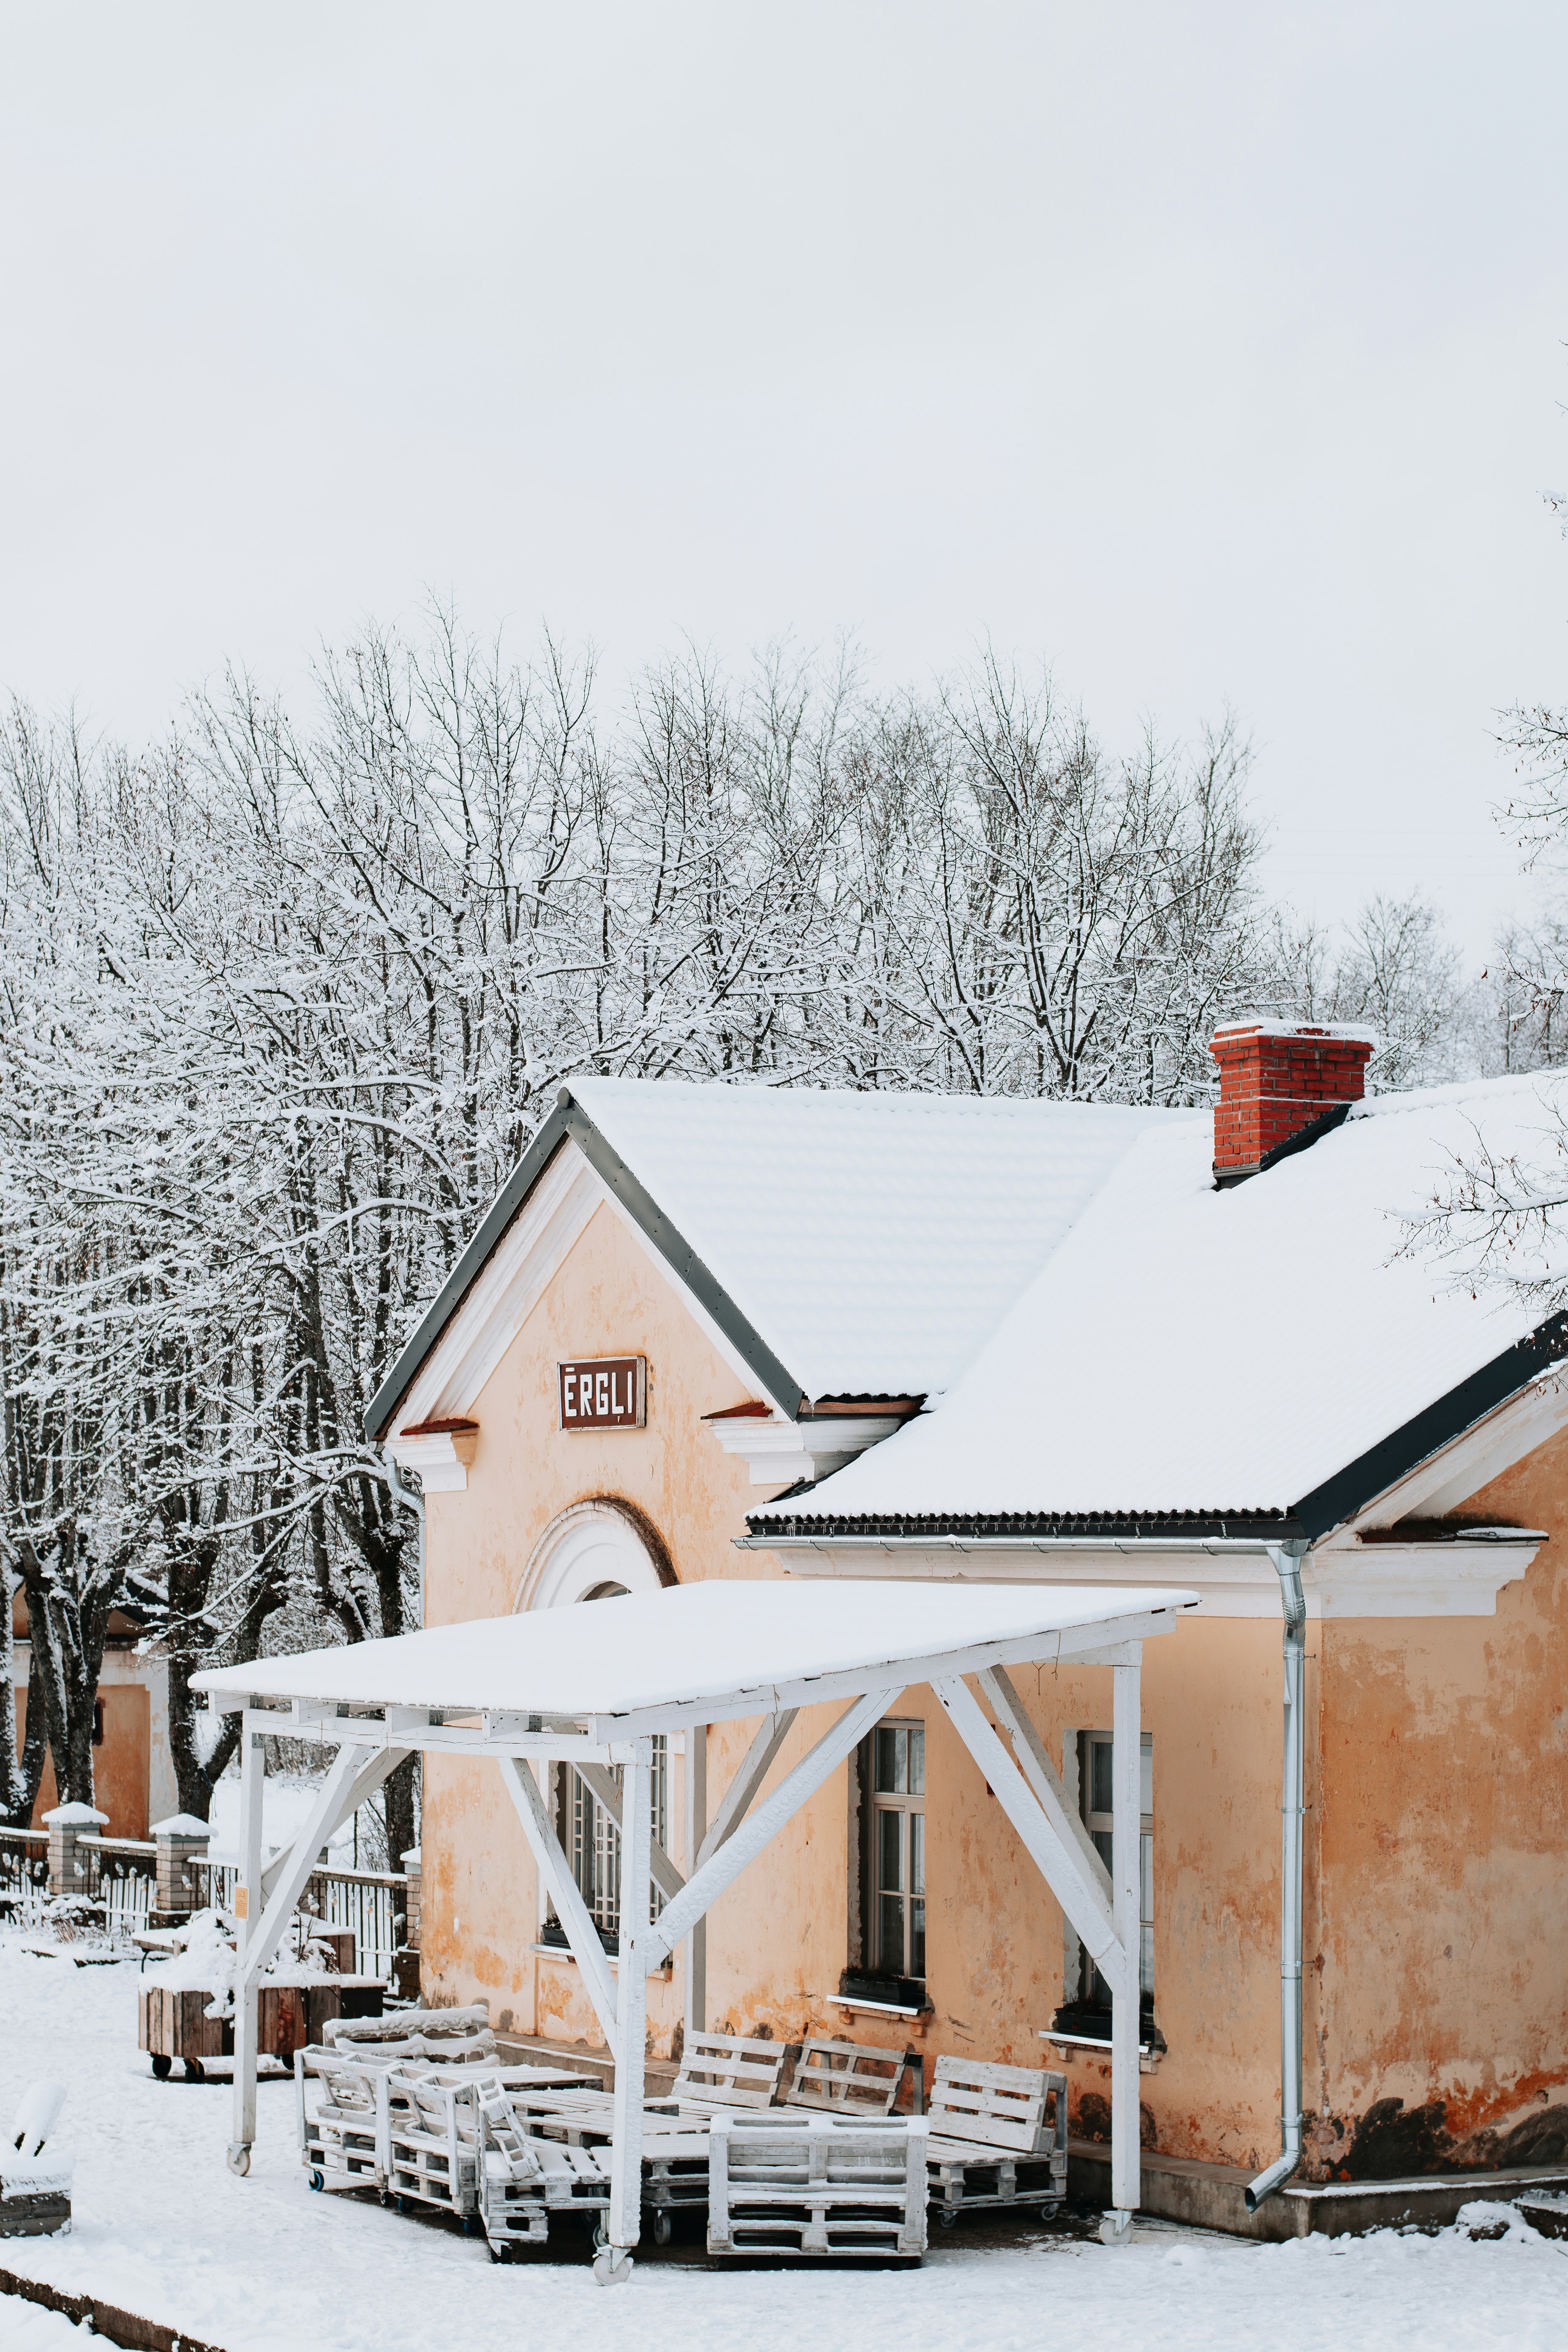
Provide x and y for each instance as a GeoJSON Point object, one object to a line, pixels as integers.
{"type": "Point", "coordinates": [1330, 1505]}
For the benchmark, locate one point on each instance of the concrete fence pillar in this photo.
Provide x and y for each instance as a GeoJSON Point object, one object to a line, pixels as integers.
{"type": "Point", "coordinates": [411, 1922]}
{"type": "Point", "coordinates": [181, 1840]}
{"type": "Point", "coordinates": [68, 1860]}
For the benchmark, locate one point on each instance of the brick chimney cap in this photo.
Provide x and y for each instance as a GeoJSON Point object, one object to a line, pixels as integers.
{"type": "Point", "coordinates": [1339, 1033]}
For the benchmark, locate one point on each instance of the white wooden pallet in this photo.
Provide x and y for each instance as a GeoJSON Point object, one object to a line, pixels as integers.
{"type": "Point", "coordinates": [991, 2142]}
{"type": "Point", "coordinates": [854, 2078]}
{"type": "Point", "coordinates": [809, 2186]}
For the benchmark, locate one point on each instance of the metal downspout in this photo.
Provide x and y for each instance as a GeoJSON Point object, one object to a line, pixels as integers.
{"type": "Point", "coordinates": [1287, 1558]}
{"type": "Point", "coordinates": [415, 1502]}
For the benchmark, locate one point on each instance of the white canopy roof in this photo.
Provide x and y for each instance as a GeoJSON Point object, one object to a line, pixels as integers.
{"type": "Point", "coordinates": [705, 1653]}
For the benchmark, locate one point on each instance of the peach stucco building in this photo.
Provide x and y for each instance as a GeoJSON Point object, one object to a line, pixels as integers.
{"type": "Point", "coordinates": [723, 1332]}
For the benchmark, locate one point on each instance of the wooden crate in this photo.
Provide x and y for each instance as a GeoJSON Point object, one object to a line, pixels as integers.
{"type": "Point", "coordinates": [853, 2078]}
{"type": "Point", "coordinates": [174, 2025]}
{"type": "Point", "coordinates": [794, 2186]}
{"type": "Point", "coordinates": [44, 2213]}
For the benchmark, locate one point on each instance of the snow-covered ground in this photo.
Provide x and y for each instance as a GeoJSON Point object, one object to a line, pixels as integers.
{"type": "Point", "coordinates": [261, 2265]}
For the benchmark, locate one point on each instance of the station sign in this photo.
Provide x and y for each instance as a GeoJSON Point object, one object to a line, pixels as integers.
{"type": "Point", "coordinates": [604, 1393]}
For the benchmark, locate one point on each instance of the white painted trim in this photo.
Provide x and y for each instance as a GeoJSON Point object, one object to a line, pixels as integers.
{"type": "Point", "coordinates": [1457, 1578]}
{"type": "Point", "coordinates": [779, 1451]}
{"type": "Point", "coordinates": [1450, 1477]}
{"type": "Point", "coordinates": [505, 1292]}
{"type": "Point", "coordinates": [442, 1457]}
{"type": "Point", "coordinates": [589, 1545]}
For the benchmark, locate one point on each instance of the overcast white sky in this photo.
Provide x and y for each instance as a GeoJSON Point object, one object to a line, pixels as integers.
{"type": "Point", "coordinates": [1207, 351]}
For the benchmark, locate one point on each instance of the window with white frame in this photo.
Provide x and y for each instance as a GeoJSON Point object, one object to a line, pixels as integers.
{"type": "Point", "coordinates": [897, 1857]}
{"type": "Point", "coordinates": [1087, 1759]}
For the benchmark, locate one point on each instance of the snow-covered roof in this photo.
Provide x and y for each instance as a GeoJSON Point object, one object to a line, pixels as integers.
{"type": "Point", "coordinates": [874, 1240]}
{"type": "Point", "coordinates": [857, 1245]}
{"type": "Point", "coordinates": [736, 1642]}
{"type": "Point", "coordinates": [1187, 1350]}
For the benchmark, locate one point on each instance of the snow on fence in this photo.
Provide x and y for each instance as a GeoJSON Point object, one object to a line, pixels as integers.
{"type": "Point", "coordinates": [123, 1875]}
{"type": "Point", "coordinates": [24, 1868]}
{"type": "Point", "coordinates": [373, 1903]}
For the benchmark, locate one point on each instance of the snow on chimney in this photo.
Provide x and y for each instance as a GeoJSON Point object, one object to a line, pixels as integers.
{"type": "Point", "coordinates": [1277, 1079]}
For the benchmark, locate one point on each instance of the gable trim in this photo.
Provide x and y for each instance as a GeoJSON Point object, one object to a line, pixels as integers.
{"type": "Point", "coordinates": [568, 1122]}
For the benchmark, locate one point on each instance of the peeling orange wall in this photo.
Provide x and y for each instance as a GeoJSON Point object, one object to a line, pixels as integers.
{"type": "Point", "coordinates": [1435, 1769]}
{"type": "Point", "coordinates": [1439, 1971]}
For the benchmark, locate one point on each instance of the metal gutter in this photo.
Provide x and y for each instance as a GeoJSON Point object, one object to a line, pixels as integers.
{"type": "Point", "coordinates": [1288, 1560]}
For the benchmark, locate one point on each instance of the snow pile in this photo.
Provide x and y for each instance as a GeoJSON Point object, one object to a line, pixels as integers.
{"type": "Point", "coordinates": [162, 2228]}
{"type": "Point", "coordinates": [207, 1962]}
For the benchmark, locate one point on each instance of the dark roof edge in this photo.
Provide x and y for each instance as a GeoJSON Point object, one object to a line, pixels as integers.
{"type": "Point", "coordinates": [1395, 1456]}
{"type": "Point", "coordinates": [1327, 1506]}
{"type": "Point", "coordinates": [569, 1122]}
{"type": "Point", "coordinates": [1027, 1526]}
{"type": "Point", "coordinates": [384, 1404]}
{"type": "Point", "coordinates": [683, 1259]}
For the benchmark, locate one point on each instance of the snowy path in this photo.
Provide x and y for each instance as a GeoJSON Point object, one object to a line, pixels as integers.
{"type": "Point", "coordinates": [262, 2265]}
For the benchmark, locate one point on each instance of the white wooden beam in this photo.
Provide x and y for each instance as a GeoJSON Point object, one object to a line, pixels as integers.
{"type": "Point", "coordinates": [696, 1801]}
{"type": "Point", "coordinates": [707, 1881]}
{"type": "Point", "coordinates": [370, 1779]}
{"type": "Point", "coordinates": [601, 1781]}
{"type": "Point", "coordinates": [1058, 1858]}
{"type": "Point", "coordinates": [581, 1935]}
{"type": "Point", "coordinates": [1071, 1645]}
{"type": "Point", "coordinates": [252, 1786]}
{"type": "Point", "coordinates": [1044, 1780]}
{"type": "Point", "coordinates": [624, 2216]}
{"type": "Point", "coordinates": [750, 1774]}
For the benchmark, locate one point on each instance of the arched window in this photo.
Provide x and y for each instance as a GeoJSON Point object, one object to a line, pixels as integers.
{"type": "Point", "coordinates": [593, 1552]}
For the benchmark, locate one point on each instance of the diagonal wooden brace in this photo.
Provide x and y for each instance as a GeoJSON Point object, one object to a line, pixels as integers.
{"type": "Point", "coordinates": [582, 1935]}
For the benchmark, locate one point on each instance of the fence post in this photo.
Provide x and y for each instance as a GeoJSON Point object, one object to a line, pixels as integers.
{"type": "Point", "coordinates": [67, 1860]}
{"type": "Point", "coordinates": [181, 1840]}
{"type": "Point", "coordinates": [411, 1905]}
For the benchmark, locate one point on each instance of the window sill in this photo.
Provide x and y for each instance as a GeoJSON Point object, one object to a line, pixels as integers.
{"type": "Point", "coordinates": [1148, 2056]}
{"type": "Point", "coordinates": [877, 2008]}
{"type": "Point", "coordinates": [612, 1960]}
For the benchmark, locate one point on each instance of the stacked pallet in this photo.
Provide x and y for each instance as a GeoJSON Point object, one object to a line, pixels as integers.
{"type": "Point", "coordinates": [803, 2184]}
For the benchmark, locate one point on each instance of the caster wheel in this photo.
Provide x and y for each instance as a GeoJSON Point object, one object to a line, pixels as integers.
{"type": "Point", "coordinates": [240, 2161]}
{"type": "Point", "coordinates": [612, 2266]}
{"type": "Point", "coordinates": [947, 2217]}
{"type": "Point", "coordinates": [661, 2229]}
{"type": "Point", "coordinates": [161, 2067]}
{"type": "Point", "coordinates": [1048, 2212]}
{"type": "Point", "coordinates": [318, 2180]}
{"type": "Point", "coordinates": [401, 2203]}
{"type": "Point", "coordinates": [195, 2071]}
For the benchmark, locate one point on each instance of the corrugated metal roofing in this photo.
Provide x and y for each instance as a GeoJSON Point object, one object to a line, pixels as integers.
{"type": "Point", "coordinates": [874, 1241]}
{"type": "Point", "coordinates": [1189, 1350]}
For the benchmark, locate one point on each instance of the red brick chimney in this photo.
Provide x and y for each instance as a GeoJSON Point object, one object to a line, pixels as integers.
{"type": "Point", "coordinates": [1277, 1079]}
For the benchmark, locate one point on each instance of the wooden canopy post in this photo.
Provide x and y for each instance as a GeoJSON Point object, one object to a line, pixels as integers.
{"type": "Point", "coordinates": [624, 2220]}
{"type": "Point", "coordinates": [248, 1907]}
{"type": "Point", "coordinates": [695, 2006]}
